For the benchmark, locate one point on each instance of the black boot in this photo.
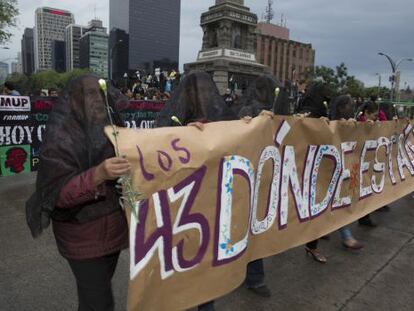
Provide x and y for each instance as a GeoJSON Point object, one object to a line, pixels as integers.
{"type": "Point", "coordinates": [366, 221]}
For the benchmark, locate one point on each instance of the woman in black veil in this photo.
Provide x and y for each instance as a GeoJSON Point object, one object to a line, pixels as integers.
{"type": "Point", "coordinates": [197, 100]}
{"type": "Point", "coordinates": [264, 93]}
{"type": "Point", "coordinates": [75, 190]}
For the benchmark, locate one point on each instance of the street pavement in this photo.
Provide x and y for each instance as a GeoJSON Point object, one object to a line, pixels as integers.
{"type": "Point", "coordinates": [33, 276]}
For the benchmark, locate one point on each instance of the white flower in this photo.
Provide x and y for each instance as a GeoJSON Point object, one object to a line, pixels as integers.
{"type": "Point", "coordinates": [102, 85]}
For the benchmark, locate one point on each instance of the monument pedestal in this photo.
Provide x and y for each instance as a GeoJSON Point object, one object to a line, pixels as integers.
{"type": "Point", "coordinates": [225, 64]}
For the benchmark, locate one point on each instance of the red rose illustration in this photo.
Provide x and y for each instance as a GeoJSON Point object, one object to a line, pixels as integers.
{"type": "Point", "coordinates": [16, 158]}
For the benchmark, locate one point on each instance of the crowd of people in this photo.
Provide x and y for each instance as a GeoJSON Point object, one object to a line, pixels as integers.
{"type": "Point", "coordinates": [157, 86]}
{"type": "Point", "coordinates": [76, 182]}
{"type": "Point", "coordinates": [9, 89]}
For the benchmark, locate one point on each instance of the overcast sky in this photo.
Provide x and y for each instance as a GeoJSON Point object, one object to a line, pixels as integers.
{"type": "Point", "coordinates": [351, 31]}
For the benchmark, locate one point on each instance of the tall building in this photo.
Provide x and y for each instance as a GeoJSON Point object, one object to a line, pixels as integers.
{"type": "Point", "coordinates": [58, 56]}
{"type": "Point", "coordinates": [73, 33]}
{"type": "Point", "coordinates": [154, 31]}
{"type": "Point", "coordinates": [94, 49]}
{"type": "Point", "coordinates": [118, 53]}
{"type": "Point", "coordinates": [19, 62]}
{"type": "Point", "coordinates": [28, 52]}
{"type": "Point", "coordinates": [4, 71]}
{"type": "Point", "coordinates": [16, 66]}
{"type": "Point", "coordinates": [288, 60]}
{"type": "Point", "coordinates": [50, 26]}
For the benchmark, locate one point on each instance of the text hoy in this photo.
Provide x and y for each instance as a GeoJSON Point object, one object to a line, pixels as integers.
{"type": "Point", "coordinates": [14, 103]}
{"type": "Point", "coordinates": [17, 135]}
{"type": "Point", "coordinates": [145, 244]}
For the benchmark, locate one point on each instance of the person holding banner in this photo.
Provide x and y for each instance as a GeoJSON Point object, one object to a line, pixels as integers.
{"type": "Point", "coordinates": [314, 105]}
{"type": "Point", "coordinates": [75, 190]}
{"type": "Point", "coordinates": [194, 102]}
{"type": "Point", "coordinates": [342, 108]}
{"type": "Point", "coordinates": [371, 113]}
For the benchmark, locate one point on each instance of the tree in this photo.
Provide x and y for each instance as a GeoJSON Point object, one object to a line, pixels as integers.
{"type": "Point", "coordinates": [20, 81]}
{"type": "Point", "coordinates": [383, 93]}
{"type": "Point", "coordinates": [44, 80]}
{"type": "Point", "coordinates": [337, 80]}
{"type": "Point", "coordinates": [65, 77]}
{"type": "Point", "coordinates": [354, 87]}
{"type": "Point", "coordinates": [8, 13]}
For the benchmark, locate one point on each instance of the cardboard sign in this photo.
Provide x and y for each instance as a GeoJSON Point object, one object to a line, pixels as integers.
{"type": "Point", "coordinates": [14, 103]}
{"type": "Point", "coordinates": [216, 199]}
{"type": "Point", "coordinates": [23, 124]}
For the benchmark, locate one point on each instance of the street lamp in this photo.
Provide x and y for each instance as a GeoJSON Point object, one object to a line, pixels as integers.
{"type": "Point", "coordinates": [379, 85]}
{"type": "Point", "coordinates": [111, 51]}
{"type": "Point", "coordinates": [394, 67]}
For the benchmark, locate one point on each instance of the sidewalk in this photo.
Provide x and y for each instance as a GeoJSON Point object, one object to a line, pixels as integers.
{"type": "Point", "coordinates": [33, 276]}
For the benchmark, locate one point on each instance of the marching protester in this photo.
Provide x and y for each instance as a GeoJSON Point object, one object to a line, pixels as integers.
{"type": "Point", "coordinates": [137, 89]}
{"type": "Point", "coordinates": [9, 89]}
{"type": "Point", "coordinates": [258, 97]}
{"type": "Point", "coordinates": [53, 92]}
{"type": "Point", "coordinates": [371, 112]}
{"type": "Point", "coordinates": [75, 190]}
{"type": "Point", "coordinates": [314, 105]}
{"type": "Point", "coordinates": [195, 101]}
{"type": "Point", "coordinates": [342, 108]}
{"type": "Point", "coordinates": [228, 97]}
{"type": "Point", "coordinates": [127, 92]}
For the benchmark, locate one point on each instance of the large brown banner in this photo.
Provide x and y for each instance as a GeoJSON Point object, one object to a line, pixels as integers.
{"type": "Point", "coordinates": [219, 198]}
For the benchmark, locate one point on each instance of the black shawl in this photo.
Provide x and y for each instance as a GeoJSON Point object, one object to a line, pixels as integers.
{"type": "Point", "coordinates": [195, 99]}
{"type": "Point", "coordinates": [315, 101]}
{"type": "Point", "coordinates": [74, 142]}
{"type": "Point", "coordinates": [261, 95]}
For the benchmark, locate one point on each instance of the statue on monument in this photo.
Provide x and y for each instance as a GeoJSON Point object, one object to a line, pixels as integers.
{"type": "Point", "coordinates": [236, 38]}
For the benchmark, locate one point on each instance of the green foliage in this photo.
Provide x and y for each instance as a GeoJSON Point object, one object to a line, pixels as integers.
{"type": "Point", "coordinates": [8, 13]}
{"type": "Point", "coordinates": [20, 82]}
{"type": "Point", "coordinates": [339, 82]}
{"type": "Point", "coordinates": [43, 80]}
{"type": "Point", "coordinates": [354, 87]}
{"type": "Point", "coordinates": [383, 92]}
{"type": "Point", "coordinates": [65, 77]}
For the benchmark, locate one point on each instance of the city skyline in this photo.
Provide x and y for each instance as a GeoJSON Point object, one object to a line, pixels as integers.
{"type": "Point", "coordinates": [350, 32]}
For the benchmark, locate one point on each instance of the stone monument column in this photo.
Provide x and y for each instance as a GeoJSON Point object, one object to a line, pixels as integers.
{"type": "Point", "coordinates": [239, 2]}
{"type": "Point", "coordinates": [228, 47]}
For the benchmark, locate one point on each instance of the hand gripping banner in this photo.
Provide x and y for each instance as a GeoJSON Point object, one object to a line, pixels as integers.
{"type": "Point", "coordinates": [214, 200]}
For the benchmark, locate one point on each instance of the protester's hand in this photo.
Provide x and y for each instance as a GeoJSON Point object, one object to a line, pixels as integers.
{"type": "Point", "coordinates": [302, 115]}
{"type": "Point", "coordinates": [111, 169]}
{"type": "Point", "coordinates": [198, 125]}
{"type": "Point", "coordinates": [267, 113]}
{"type": "Point", "coordinates": [247, 119]}
{"type": "Point", "coordinates": [324, 119]}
